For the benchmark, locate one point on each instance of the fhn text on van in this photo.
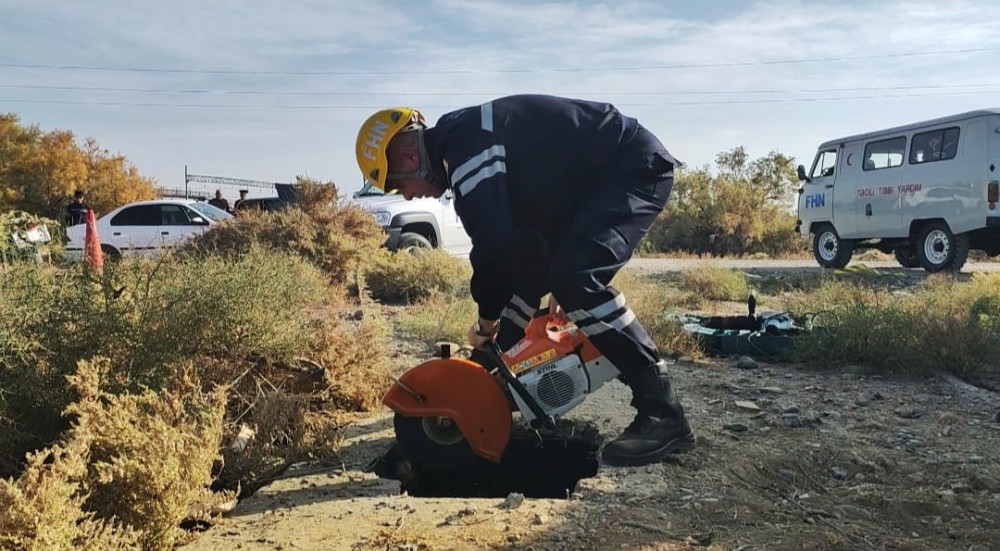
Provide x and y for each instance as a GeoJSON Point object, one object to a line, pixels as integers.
{"type": "Point", "coordinates": [889, 190]}
{"type": "Point", "coordinates": [814, 201]}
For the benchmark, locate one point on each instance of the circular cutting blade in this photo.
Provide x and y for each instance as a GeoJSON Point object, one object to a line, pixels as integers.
{"type": "Point", "coordinates": [434, 443]}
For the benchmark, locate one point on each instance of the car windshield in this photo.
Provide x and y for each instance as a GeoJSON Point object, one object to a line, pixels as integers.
{"type": "Point", "coordinates": [368, 190]}
{"type": "Point", "coordinates": [210, 212]}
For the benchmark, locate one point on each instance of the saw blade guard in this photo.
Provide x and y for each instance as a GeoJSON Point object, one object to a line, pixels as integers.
{"type": "Point", "coordinates": [462, 391]}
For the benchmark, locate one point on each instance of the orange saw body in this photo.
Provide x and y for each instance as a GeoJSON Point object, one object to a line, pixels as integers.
{"type": "Point", "coordinates": [451, 410]}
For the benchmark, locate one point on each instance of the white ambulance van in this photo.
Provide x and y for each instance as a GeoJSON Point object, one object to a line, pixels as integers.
{"type": "Point", "coordinates": [927, 192]}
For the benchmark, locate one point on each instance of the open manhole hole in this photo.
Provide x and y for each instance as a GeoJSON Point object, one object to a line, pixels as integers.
{"type": "Point", "coordinates": [546, 464]}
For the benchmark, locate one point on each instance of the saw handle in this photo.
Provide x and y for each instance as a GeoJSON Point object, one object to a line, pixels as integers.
{"type": "Point", "coordinates": [496, 356]}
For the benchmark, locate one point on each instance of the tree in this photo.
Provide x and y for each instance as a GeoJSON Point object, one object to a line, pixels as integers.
{"type": "Point", "coordinates": [40, 171]}
{"type": "Point", "coordinates": [743, 207]}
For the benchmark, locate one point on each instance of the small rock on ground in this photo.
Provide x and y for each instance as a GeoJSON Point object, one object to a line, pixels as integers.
{"type": "Point", "coordinates": [513, 501]}
{"type": "Point", "coordinates": [745, 404]}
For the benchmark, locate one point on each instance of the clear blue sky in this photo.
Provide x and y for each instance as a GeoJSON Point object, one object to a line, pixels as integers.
{"type": "Point", "coordinates": [268, 89]}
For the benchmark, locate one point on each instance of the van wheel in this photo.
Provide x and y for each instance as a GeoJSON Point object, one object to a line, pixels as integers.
{"type": "Point", "coordinates": [907, 257]}
{"type": "Point", "coordinates": [413, 242]}
{"type": "Point", "coordinates": [940, 250]}
{"type": "Point", "coordinates": [829, 249]}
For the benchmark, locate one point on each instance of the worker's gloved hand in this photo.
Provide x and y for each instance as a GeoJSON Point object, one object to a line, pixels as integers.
{"type": "Point", "coordinates": [483, 331]}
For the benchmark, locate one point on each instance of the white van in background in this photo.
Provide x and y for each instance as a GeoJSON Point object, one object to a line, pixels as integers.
{"type": "Point", "coordinates": [927, 192]}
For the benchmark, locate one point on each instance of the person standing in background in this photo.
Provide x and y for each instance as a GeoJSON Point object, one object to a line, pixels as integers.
{"type": "Point", "coordinates": [219, 202]}
{"type": "Point", "coordinates": [76, 212]}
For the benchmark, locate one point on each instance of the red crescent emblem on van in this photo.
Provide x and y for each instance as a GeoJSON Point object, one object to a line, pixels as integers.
{"type": "Point", "coordinates": [849, 155]}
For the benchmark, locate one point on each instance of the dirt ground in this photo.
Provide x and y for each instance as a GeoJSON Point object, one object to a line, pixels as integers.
{"type": "Point", "coordinates": [829, 461]}
{"type": "Point", "coordinates": [787, 458]}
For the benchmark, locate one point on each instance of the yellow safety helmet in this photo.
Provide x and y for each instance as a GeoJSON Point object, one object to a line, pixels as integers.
{"type": "Point", "coordinates": [374, 137]}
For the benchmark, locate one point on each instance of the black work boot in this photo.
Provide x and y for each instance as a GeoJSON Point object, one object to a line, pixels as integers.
{"type": "Point", "coordinates": [658, 430]}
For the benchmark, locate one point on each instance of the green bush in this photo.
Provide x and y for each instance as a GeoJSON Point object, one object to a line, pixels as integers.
{"type": "Point", "coordinates": [145, 316]}
{"type": "Point", "coordinates": [940, 327]}
{"type": "Point", "coordinates": [742, 207]}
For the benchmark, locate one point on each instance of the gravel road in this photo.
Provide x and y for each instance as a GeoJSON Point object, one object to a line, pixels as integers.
{"type": "Point", "coordinates": [660, 265]}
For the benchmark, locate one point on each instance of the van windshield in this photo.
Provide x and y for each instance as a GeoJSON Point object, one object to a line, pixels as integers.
{"type": "Point", "coordinates": [825, 163]}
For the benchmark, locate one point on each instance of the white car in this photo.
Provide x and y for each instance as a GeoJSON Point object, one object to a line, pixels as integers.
{"type": "Point", "coordinates": [146, 227]}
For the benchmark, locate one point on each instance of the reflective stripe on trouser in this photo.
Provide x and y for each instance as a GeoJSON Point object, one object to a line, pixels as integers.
{"type": "Point", "coordinates": [611, 219]}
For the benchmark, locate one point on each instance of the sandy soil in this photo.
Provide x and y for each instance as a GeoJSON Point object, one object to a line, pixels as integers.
{"type": "Point", "coordinates": [806, 461]}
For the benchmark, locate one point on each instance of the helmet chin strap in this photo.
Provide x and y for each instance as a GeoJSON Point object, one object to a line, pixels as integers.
{"type": "Point", "coordinates": [424, 171]}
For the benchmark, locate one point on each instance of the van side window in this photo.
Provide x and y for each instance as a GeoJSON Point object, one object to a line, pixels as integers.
{"type": "Point", "coordinates": [824, 164]}
{"type": "Point", "coordinates": [884, 153]}
{"type": "Point", "coordinates": [936, 145]}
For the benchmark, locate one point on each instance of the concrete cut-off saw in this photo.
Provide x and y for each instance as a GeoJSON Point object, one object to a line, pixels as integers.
{"type": "Point", "coordinates": [451, 412]}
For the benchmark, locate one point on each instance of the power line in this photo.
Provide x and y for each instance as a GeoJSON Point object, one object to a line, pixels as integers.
{"type": "Point", "coordinates": [832, 59]}
{"type": "Point", "coordinates": [368, 107]}
{"type": "Point", "coordinates": [605, 93]}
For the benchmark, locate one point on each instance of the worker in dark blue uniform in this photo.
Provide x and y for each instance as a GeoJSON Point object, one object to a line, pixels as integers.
{"type": "Point", "coordinates": [556, 194]}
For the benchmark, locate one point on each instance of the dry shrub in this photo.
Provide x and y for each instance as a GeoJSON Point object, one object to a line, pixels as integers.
{"type": "Point", "coordinates": [408, 277]}
{"type": "Point", "coordinates": [274, 431]}
{"type": "Point", "coordinates": [124, 477]}
{"type": "Point", "coordinates": [43, 508]}
{"type": "Point", "coordinates": [354, 357]}
{"type": "Point", "coordinates": [276, 415]}
{"type": "Point", "coordinates": [438, 317]}
{"type": "Point", "coordinates": [151, 454]}
{"type": "Point", "coordinates": [713, 283]}
{"type": "Point", "coordinates": [336, 237]}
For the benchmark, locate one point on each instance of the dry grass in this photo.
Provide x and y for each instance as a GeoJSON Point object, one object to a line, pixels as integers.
{"type": "Point", "coordinates": [447, 317]}
{"type": "Point", "coordinates": [409, 277]}
{"type": "Point", "coordinates": [941, 326]}
{"type": "Point", "coordinates": [710, 283]}
{"type": "Point", "coordinates": [354, 357]}
{"type": "Point", "coordinates": [653, 301]}
{"type": "Point", "coordinates": [439, 317]}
